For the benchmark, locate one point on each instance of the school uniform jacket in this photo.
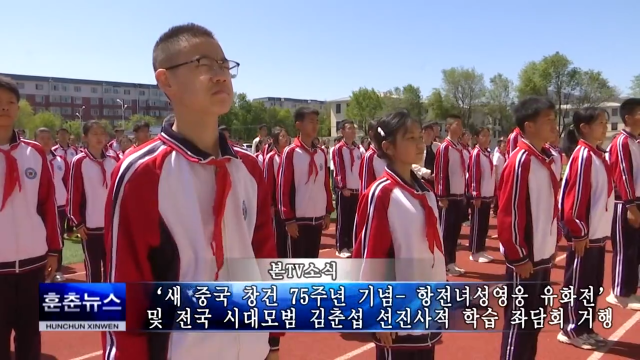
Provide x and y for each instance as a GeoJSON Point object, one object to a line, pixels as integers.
{"type": "Point", "coordinates": [260, 157]}
{"type": "Point", "coordinates": [28, 215]}
{"type": "Point", "coordinates": [303, 187]}
{"type": "Point", "coordinates": [88, 188]}
{"type": "Point", "coordinates": [67, 153]}
{"type": "Point", "coordinates": [371, 168]}
{"type": "Point", "coordinates": [586, 199]}
{"type": "Point", "coordinates": [113, 145]}
{"type": "Point", "coordinates": [392, 223]}
{"type": "Point", "coordinates": [466, 152]}
{"type": "Point", "coordinates": [624, 156]}
{"type": "Point", "coordinates": [481, 178]}
{"type": "Point", "coordinates": [271, 166]}
{"type": "Point", "coordinates": [346, 164]}
{"type": "Point", "coordinates": [161, 226]}
{"type": "Point", "coordinates": [60, 171]}
{"type": "Point", "coordinates": [556, 154]}
{"type": "Point", "coordinates": [429, 156]}
{"type": "Point", "coordinates": [450, 170]}
{"type": "Point", "coordinates": [512, 141]}
{"type": "Point", "coordinates": [528, 210]}
{"type": "Point", "coordinates": [498, 164]}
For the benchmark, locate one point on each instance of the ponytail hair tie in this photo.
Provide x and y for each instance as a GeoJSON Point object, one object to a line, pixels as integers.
{"type": "Point", "coordinates": [381, 132]}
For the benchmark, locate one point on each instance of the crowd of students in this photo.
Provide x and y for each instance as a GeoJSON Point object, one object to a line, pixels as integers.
{"type": "Point", "coordinates": [178, 207]}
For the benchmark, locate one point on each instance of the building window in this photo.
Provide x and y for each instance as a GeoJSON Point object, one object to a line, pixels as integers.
{"type": "Point", "coordinates": [107, 90]}
{"type": "Point", "coordinates": [614, 126]}
{"type": "Point", "coordinates": [39, 99]}
{"type": "Point", "coordinates": [116, 90]}
{"type": "Point", "coordinates": [64, 88]}
{"type": "Point", "coordinates": [155, 113]}
{"type": "Point", "coordinates": [95, 101]}
{"type": "Point", "coordinates": [20, 85]}
{"type": "Point", "coordinates": [154, 92]}
{"type": "Point", "coordinates": [65, 99]}
{"type": "Point", "coordinates": [108, 101]}
{"type": "Point", "coordinates": [39, 87]}
{"type": "Point", "coordinates": [127, 102]}
{"type": "Point", "coordinates": [94, 90]}
{"type": "Point", "coordinates": [142, 103]}
{"type": "Point", "coordinates": [54, 99]}
{"type": "Point", "coordinates": [55, 110]}
{"type": "Point", "coordinates": [66, 111]}
{"type": "Point", "coordinates": [127, 113]}
{"type": "Point", "coordinates": [95, 112]}
{"type": "Point", "coordinates": [77, 88]}
{"type": "Point", "coordinates": [614, 112]}
{"type": "Point", "coordinates": [142, 93]}
{"type": "Point", "coordinates": [338, 108]}
{"type": "Point", "coordinates": [126, 92]}
{"type": "Point", "coordinates": [77, 100]}
{"type": "Point", "coordinates": [106, 112]}
{"type": "Point", "coordinates": [55, 87]}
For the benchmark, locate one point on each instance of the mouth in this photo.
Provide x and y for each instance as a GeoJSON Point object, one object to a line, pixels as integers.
{"type": "Point", "coordinates": [219, 92]}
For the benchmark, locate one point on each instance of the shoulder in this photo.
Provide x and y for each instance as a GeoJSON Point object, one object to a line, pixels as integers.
{"type": "Point", "coordinates": [142, 165]}
{"type": "Point", "coordinates": [78, 158]}
{"type": "Point", "coordinates": [379, 192]}
{"type": "Point", "coordinates": [250, 161]}
{"type": "Point", "coordinates": [35, 146]}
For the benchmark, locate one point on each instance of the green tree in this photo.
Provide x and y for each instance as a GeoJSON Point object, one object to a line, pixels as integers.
{"type": "Point", "coordinates": [466, 87]}
{"type": "Point", "coordinates": [364, 105]}
{"type": "Point", "coordinates": [499, 100]}
{"type": "Point", "coordinates": [44, 119]}
{"type": "Point", "coordinates": [635, 86]}
{"type": "Point", "coordinates": [439, 105]}
{"type": "Point", "coordinates": [592, 89]}
{"type": "Point", "coordinates": [531, 82]}
{"type": "Point", "coordinates": [25, 115]}
{"type": "Point", "coordinates": [74, 127]}
{"type": "Point", "coordinates": [408, 97]}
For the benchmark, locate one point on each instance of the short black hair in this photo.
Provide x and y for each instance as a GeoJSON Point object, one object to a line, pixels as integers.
{"type": "Point", "coordinates": [118, 130]}
{"type": "Point", "coordinates": [372, 126]}
{"type": "Point", "coordinates": [499, 142]}
{"type": "Point", "coordinates": [338, 138]}
{"type": "Point", "coordinates": [453, 118]}
{"type": "Point", "coordinates": [528, 109]}
{"type": "Point", "coordinates": [90, 125]}
{"type": "Point", "coordinates": [588, 116]}
{"type": "Point", "coordinates": [301, 113]}
{"type": "Point", "coordinates": [141, 125]}
{"type": "Point", "coordinates": [262, 126]}
{"type": "Point", "coordinates": [10, 85]}
{"type": "Point", "coordinates": [167, 44]}
{"type": "Point", "coordinates": [428, 126]}
{"type": "Point", "coordinates": [628, 107]}
{"type": "Point", "coordinates": [389, 127]}
{"type": "Point", "coordinates": [479, 130]}
{"type": "Point", "coordinates": [346, 122]}
{"type": "Point", "coordinates": [43, 130]}
{"type": "Point", "coordinates": [62, 130]}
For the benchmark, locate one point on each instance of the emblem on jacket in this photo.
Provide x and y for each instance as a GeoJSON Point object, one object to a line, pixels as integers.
{"type": "Point", "coordinates": [59, 167]}
{"type": "Point", "coordinates": [30, 173]}
{"type": "Point", "coordinates": [320, 166]}
{"type": "Point", "coordinates": [244, 210]}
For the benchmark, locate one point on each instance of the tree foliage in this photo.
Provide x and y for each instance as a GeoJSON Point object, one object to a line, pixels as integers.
{"type": "Point", "coordinates": [364, 105]}
{"type": "Point", "coordinates": [635, 86]}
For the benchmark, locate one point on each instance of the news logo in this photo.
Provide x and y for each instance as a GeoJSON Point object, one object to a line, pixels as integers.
{"type": "Point", "coordinates": [82, 307]}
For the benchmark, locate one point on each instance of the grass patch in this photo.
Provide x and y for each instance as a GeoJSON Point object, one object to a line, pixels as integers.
{"type": "Point", "coordinates": [72, 252]}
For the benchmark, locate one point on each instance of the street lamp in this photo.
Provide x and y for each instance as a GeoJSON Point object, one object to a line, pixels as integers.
{"type": "Point", "coordinates": [79, 115]}
{"type": "Point", "coordinates": [123, 107]}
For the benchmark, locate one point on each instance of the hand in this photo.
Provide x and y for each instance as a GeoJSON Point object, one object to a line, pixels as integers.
{"type": "Point", "coordinates": [346, 192]}
{"type": "Point", "coordinates": [633, 216]}
{"type": "Point", "coordinates": [327, 222]}
{"type": "Point", "coordinates": [580, 246]}
{"type": "Point", "coordinates": [50, 267]}
{"type": "Point", "coordinates": [292, 229]}
{"type": "Point", "coordinates": [273, 355]}
{"type": "Point", "coordinates": [386, 338]}
{"type": "Point", "coordinates": [82, 231]}
{"type": "Point", "coordinates": [444, 203]}
{"type": "Point", "coordinates": [524, 270]}
{"type": "Point", "coordinates": [477, 203]}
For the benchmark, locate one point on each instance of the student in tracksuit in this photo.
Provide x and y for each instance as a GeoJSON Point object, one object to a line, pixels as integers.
{"type": "Point", "coordinates": [527, 224]}
{"type": "Point", "coordinates": [430, 148]}
{"type": "Point", "coordinates": [372, 165]}
{"type": "Point", "coordinates": [347, 156]}
{"type": "Point", "coordinates": [465, 141]}
{"type": "Point", "coordinates": [397, 219]}
{"type": "Point", "coordinates": [586, 213]}
{"type": "Point", "coordinates": [624, 156]}
{"type": "Point", "coordinates": [481, 186]}
{"type": "Point", "coordinates": [498, 164]}
{"type": "Point", "coordinates": [271, 165]}
{"type": "Point", "coordinates": [450, 174]}
{"type": "Point", "coordinates": [64, 147]}
{"type": "Point", "coordinates": [30, 239]}
{"type": "Point", "coordinates": [303, 190]}
{"type": "Point", "coordinates": [60, 170]}
{"type": "Point", "coordinates": [512, 141]}
{"type": "Point", "coordinates": [554, 148]}
{"type": "Point", "coordinates": [88, 186]}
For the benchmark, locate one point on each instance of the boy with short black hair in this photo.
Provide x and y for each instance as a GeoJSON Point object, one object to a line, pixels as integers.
{"type": "Point", "coordinates": [499, 160]}
{"type": "Point", "coordinates": [60, 170]}
{"type": "Point", "coordinates": [303, 190]}
{"type": "Point", "coordinates": [528, 223]}
{"type": "Point", "coordinates": [624, 157]}
{"type": "Point", "coordinates": [64, 147]}
{"type": "Point", "coordinates": [450, 173]}
{"type": "Point", "coordinates": [262, 133]}
{"type": "Point", "coordinates": [141, 134]}
{"type": "Point", "coordinates": [169, 200]}
{"type": "Point", "coordinates": [114, 145]}
{"type": "Point", "coordinates": [30, 239]}
{"type": "Point", "coordinates": [346, 158]}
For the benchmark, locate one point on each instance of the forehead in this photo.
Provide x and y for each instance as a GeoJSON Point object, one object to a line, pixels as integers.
{"type": "Point", "coordinates": [5, 93]}
{"type": "Point", "coordinates": [96, 129]}
{"type": "Point", "coordinates": [191, 48]}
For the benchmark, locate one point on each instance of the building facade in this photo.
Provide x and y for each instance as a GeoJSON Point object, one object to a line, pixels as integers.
{"type": "Point", "coordinates": [91, 99]}
{"type": "Point", "coordinates": [289, 103]}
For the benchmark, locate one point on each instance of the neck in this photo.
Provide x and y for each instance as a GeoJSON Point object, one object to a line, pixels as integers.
{"type": "Point", "coordinates": [203, 134]}
{"type": "Point", "coordinates": [404, 171]}
{"type": "Point", "coordinates": [47, 150]}
{"type": "Point", "coordinates": [631, 130]}
{"type": "Point", "coordinates": [591, 142]}
{"type": "Point", "coordinates": [5, 135]}
{"type": "Point", "coordinates": [428, 142]}
{"type": "Point", "coordinates": [348, 141]}
{"type": "Point", "coordinates": [96, 152]}
{"type": "Point", "coordinates": [280, 148]}
{"type": "Point", "coordinates": [307, 140]}
{"type": "Point", "coordinates": [538, 145]}
{"type": "Point", "coordinates": [453, 138]}
{"type": "Point", "coordinates": [64, 144]}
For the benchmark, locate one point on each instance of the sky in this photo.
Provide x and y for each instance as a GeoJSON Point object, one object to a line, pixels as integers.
{"type": "Point", "coordinates": [323, 50]}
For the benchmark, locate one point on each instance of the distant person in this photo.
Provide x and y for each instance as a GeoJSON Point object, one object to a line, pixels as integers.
{"type": "Point", "coordinates": [141, 135]}
{"type": "Point", "coordinates": [64, 147]}
{"type": "Point", "coordinates": [125, 144]}
{"type": "Point", "coordinates": [372, 165]}
{"type": "Point", "coordinates": [430, 148]}
{"type": "Point", "coordinates": [115, 143]}
{"type": "Point", "coordinates": [271, 169]}
{"type": "Point", "coordinates": [262, 133]}
{"type": "Point", "coordinates": [499, 159]}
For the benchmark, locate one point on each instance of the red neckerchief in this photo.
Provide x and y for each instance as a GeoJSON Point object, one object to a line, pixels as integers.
{"type": "Point", "coordinates": [53, 158]}
{"type": "Point", "coordinates": [599, 153]}
{"type": "Point", "coordinates": [65, 149]}
{"type": "Point", "coordinates": [459, 150]}
{"type": "Point", "coordinates": [431, 221]}
{"type": "Point", "coordinates": [12, 173]}
{"type": "Point", "coordinates": [555, 183]}
{"type": "Point", "coordinates": [223, 188]}
{"type": "Point", "coordinates": [313, 167]}
{"type": "Point", "coordinates": [100, 163]}
{"type": "Point", "coordinates": [487, 154]}
{"type": "Point", "coordinates": [352, 157]}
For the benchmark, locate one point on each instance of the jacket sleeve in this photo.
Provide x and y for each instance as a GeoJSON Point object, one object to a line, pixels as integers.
{"type": "Point", "coordinates": [622, 165]}
{"type": "Point", "coordinates": [367, 172]}
{"type": "Point", "coordinates": [441, 170]}
{"type": "Point", "coordinates": [270, 178]}
{"type": "Point", "coordinates": [474, 176]}
{"type": "Point", "coordinates": [285, 183]}
{"type": "Point", "coordinates": [339, 168]}
{"type": "Point", "coordinates": [512, 209]}
{"type": "Point", "coordinates": [327, 188]}
{"type": "Point", "coordinates": [575, 199]}
{"type": "Point", "coordinates": [76, 194]}
{"type": "Point", "coordinates": [47, 209]}
{"type": "Point", "coordinates": [132, 202]}
{"type": "Point", "coordinates": [66, 175]}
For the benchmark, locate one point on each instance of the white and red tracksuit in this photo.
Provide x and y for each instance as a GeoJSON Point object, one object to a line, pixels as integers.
{"type": "Point", "coordinates": [67, 153]}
